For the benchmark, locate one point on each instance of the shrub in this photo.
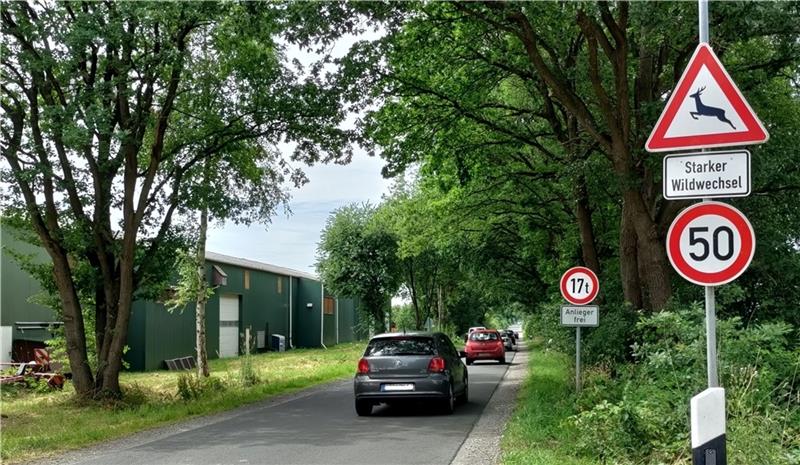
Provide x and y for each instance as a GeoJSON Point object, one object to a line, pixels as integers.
{"type": "Point", "coordinates": [640, 414]}
{"type": "Point", "coordinates": [191, 386]}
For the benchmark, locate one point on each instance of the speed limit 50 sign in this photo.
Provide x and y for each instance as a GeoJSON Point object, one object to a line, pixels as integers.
{"type": "Point", "coordinates": [710, 243]}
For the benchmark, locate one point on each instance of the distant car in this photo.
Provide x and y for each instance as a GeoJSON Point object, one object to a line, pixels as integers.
{"type": "Point", "coordinates": [470, 330]}
{"type": "Point", "coordinates": [511, 334]}
{"type": "Point", "coordinates": [485, 344]}
{"type": "Point", "coordinates": [508, 341]}
{"type": "Point", "coordinates": [410, 366]}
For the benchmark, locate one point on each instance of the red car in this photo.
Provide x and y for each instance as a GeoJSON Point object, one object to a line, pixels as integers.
{"type": "Point", "coordinates": [485, 344]}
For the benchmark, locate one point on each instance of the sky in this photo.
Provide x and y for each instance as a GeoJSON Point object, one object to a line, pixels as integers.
{"type": "Point", "coordinates": [292, 241]}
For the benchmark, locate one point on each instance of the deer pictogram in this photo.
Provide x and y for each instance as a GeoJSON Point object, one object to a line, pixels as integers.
{"type": "Point", "coordinates": [703, 110]}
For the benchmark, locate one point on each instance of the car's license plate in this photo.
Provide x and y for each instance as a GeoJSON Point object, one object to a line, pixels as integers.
{"type": "Point", "coordinates": [398, 387]}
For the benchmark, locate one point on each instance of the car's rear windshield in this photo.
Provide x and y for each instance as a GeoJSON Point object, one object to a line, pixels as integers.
{"type": "Point", "coordinates": [400, 346]}
{"type": "Point", "coordinates": [476, 336]}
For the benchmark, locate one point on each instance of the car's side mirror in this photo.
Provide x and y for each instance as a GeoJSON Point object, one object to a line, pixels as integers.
{"type": "Point", "coordinates": [462, 354]}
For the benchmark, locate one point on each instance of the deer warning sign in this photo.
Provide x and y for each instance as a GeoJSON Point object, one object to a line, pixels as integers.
{"type": "Point", "coordinates": [705, 110]}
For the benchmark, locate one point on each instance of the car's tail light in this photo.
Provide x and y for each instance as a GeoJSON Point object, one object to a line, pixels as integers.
{"type": "Point", "coordinates": [436, 365]}
{"type": "Point", "coordinates": [363, 366]}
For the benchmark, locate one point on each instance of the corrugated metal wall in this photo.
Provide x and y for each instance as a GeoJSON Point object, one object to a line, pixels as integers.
{"type": "Point", "coordinates": [17, 287]}
{"type": "Point", "coordinates": [155, 334]}
{"type": "Point", "coordinates": [347, 320]}
{"type": "Point", "coordinates": [308, 318]}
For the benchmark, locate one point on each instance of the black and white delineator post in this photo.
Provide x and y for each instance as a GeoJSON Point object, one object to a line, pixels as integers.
{"type": "Point", "coordinates": [708, 427]}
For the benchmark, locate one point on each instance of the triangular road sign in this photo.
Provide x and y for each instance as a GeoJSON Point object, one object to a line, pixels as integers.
{"type": "Point", "coordinates": [706, 109]}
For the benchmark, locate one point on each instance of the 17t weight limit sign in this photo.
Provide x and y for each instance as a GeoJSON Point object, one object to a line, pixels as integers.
{"type": "Point", "coordinates": [579, 285]}
{"type": "Point", "coordinates": [710, 243]}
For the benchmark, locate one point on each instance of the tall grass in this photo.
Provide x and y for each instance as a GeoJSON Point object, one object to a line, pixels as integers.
{"type": "Point", "coordinates": [538, 432]}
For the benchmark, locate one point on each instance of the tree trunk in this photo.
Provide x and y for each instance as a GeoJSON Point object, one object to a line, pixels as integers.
{"type": "Point", "coordinates": [651, 253]}
{"type": "Point", "coordinates": [628, 260]}
{"type": "Point", "coordinates": [583, 214]}
{"type": "Point", "coordinates": [200, 314]}
{"type": "Point", "coordinates": [118, 336]}
{"type": "Point", "coordinates": [74, 330]}
{"type": "Point", "coordinates": [440, 307]}
{"type": "Point", "coordinates": [414, 300]}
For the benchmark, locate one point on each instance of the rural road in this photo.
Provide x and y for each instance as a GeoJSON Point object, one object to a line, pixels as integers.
{"type": "Point", "coordinates": [318, 428]}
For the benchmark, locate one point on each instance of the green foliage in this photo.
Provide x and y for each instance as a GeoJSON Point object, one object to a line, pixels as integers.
{"type": "Point", "coordinates": [247, 374]}
{"type": "Point", "coordinates": [191, 386]}
{"type": "Point", "coordinates": [639, 414]}
{"type": "Point", "coordinates": [357, 257]}
{"type": "Point", "coordinates": [403, 318]}
{"type": "Point", "coordinates": [607, 344]}
{"type": "Point", "coordinates": [113, 112]}
{"type": "Point", "coordinates": [191, 285]}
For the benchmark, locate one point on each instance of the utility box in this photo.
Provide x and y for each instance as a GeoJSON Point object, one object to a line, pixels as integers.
{"type": "Point", "coordinates": [278, 343]}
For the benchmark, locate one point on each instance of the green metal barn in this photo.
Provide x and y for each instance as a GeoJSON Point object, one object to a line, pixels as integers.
{"type": "Point", "coordinates": [267, 299]}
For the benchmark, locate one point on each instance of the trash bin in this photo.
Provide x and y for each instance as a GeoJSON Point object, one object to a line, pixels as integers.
{"type": "Point", "coordinates": [278, 343]}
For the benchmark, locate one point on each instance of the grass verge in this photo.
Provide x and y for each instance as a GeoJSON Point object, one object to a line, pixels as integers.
{"type": "Point", "coordinates": [39, 424]}
{"type": "Point", "coordinates": [537, 433]}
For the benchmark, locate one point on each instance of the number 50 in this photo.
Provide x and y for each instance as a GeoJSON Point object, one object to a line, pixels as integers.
{"type": "Point", "coordinates": [716, 238]}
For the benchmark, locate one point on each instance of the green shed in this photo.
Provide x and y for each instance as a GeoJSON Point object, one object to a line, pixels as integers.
{"type": "Point", "coordinates": [24, 325]}
{"type": "Point", "coordinates": [268, 299]}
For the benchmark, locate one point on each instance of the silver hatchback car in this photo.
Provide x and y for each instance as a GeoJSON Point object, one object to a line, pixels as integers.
{"type": "Point", "coordinates": [410, 366]}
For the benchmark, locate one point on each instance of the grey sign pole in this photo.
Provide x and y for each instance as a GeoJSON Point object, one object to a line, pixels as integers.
{"type": "Point", "coordinates": [711, 338]}
{"type": "Point", "coordinates": [708, 408]}
{"type": "Point", "coordinates": [711, 317]}
{"type": "Point", "coordinates": [703, 16]}
{"type": "Point", "coordinates": [577, 359]}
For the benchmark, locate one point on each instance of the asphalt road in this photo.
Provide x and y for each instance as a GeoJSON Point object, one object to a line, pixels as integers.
{"type": "Point", "coordinates": [321, 428]}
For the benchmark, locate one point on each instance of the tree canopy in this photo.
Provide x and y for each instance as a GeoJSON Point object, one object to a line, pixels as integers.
{"type": "Point", "coordinates": [534, 116]}
{"type": "Point", "coordinates": [111, 109]}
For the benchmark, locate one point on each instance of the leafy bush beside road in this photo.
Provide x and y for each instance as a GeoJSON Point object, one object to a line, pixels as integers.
{"type": "Point", "coordinates": [637, 411]}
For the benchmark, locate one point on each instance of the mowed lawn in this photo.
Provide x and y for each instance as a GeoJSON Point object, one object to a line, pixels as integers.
{"type": "Point", "coordinates": [39, 424]}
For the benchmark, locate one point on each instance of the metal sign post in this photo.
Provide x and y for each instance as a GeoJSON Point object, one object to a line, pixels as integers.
{"type": "Point", "coordinates": [577, 359]}
{"type": "Point", "coordinates": [705, 452]}
{"type": "Point", "coordinates": [578, 316]}
{"type": "Point", "coordinates": [711, 338]}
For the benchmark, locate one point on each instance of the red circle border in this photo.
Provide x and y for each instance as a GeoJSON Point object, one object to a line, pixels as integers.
{"type": "Point", "coordinates": [565, 278]}
{"type": "Point", "coordinates": [739, 265]}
